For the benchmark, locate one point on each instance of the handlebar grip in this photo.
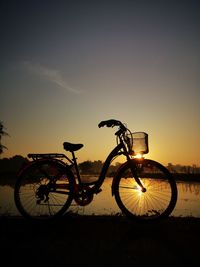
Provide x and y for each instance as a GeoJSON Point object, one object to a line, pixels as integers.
{"type": "Point", "coordinates": [109, 123]}
{"type": "Point", "coordinates": [102, 124]}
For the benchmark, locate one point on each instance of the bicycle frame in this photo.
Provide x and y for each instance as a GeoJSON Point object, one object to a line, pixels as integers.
{"type": "Point", "coordinates": [73, 163]}
{"type": "Point", "coordinates": [113, 154]}
{"type": "Point", "coordinates": [98, 183]}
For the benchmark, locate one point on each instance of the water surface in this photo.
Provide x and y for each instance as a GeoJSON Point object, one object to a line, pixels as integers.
{"type": "Point", "coordinates": [188, 203]}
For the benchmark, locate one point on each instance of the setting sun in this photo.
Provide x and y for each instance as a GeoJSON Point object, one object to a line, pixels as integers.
{"type": "Point", "coordinates": [139, 156]}
{"type": "Point", "coordinates": [139, 190]}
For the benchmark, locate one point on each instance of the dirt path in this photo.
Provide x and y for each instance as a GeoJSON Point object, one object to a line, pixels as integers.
{"type": "Point", "coordinates": [100, 241]}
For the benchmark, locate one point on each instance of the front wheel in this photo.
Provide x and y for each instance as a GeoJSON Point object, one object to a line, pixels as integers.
{"type": "Point", "coordinates": [43, 190]}
{"type": "Point", "coordinates": [155, 202]}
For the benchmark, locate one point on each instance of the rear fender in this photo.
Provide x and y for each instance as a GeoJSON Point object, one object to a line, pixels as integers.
{"type": "Point", "coordinates": [65, 167]}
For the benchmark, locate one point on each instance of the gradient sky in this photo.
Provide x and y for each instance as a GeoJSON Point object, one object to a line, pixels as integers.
{"type": "Point", "coordinates": [67, 65]}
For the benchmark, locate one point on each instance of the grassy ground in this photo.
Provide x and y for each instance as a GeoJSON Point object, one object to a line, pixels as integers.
{"type": "Point", "coordinates": [100, 241]}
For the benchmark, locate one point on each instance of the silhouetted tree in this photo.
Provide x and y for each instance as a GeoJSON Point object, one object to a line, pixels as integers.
{"type": "Point", "coordinates": [97, 166]}
{"type": "Point", "coordinates": [94, 167]}
{"type": "Point", "coordinates": [86, 167]}
{"type": "Point", "coordinates": [2, 133]}
{"type": "Point", "coordinates": [12, 164]}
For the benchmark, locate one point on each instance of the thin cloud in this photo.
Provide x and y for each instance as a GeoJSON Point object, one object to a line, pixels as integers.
{"type": "Point", "coordinates": [51, 75]}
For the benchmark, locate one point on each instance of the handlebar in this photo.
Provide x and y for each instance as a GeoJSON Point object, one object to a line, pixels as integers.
{"type": "Point", "coordinates": [112, 123]}
{"type": "Point", "coordinates": [109, 123]}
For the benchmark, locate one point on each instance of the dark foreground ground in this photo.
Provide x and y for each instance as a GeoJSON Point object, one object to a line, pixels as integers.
{"type": "Point", "coordinates": [99, 241]}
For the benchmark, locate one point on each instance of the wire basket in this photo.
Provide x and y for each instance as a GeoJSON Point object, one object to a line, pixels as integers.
{"type": "Point", "coordinates": [137, 143]}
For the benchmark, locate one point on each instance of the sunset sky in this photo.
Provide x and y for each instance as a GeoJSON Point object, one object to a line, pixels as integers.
{"type": "Point", "coordinates": [67, 65]}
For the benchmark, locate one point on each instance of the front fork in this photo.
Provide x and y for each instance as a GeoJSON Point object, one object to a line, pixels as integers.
{"type": "Point", "coordinates": [130, 164]}
{"type": "Point", "coordinates": [134, 171]}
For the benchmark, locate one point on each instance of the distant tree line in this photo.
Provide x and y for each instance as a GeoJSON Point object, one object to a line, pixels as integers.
{"type": "Point", "coordinates": [13, 164]}
{"type": "Point", "coordinates": [94, 167]}
{"type": "Point", "coordinates": [186, 169]}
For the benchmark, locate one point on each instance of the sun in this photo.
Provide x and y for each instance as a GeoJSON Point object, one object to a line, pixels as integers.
{"type": "Point", "coordinates": [139, 192]}
{"type": "Point", "coordinates": [139, 156]}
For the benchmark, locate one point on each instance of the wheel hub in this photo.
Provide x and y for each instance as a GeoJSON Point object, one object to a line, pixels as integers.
{"type": "Point", "coordinates": [42, 193]}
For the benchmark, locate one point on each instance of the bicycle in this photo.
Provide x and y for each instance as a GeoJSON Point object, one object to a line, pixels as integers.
{"type": "Point", "coordinates": [143, 189]}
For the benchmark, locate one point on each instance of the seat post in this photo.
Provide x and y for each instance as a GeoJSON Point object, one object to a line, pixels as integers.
{"type": "Point", "coordinates": [76, 166]}
{"type": "Point", "coordinates": [73, 156]}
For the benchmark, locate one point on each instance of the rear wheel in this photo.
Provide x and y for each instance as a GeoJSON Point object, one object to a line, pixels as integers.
{"type": "Point", "coordinates": [44, 190]}
{"type": "Point", "coordinates": [159, 198]}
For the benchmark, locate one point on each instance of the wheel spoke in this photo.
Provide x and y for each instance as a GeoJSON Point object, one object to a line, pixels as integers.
{"type": "Point", "coordinates": [157, 201]}
{"type": "Point", "coordinates": [42, 191]}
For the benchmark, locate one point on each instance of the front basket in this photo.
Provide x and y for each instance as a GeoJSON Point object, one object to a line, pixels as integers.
{"type": "Point", "coordinates": [137, 143]}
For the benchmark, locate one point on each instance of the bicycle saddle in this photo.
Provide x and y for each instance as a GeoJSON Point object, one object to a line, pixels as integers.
{"type": "Point", "coordinates": [72, 147]}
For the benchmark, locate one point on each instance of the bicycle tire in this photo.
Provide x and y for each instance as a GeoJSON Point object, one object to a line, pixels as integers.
{"type": "Point", "coordinates": [160, 197]}
{"type": "Point", "coordinates": [37, 197]}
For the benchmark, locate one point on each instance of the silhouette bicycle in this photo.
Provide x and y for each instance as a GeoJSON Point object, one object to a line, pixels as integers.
{"type": "Point", "coordinates": [143, 189]}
